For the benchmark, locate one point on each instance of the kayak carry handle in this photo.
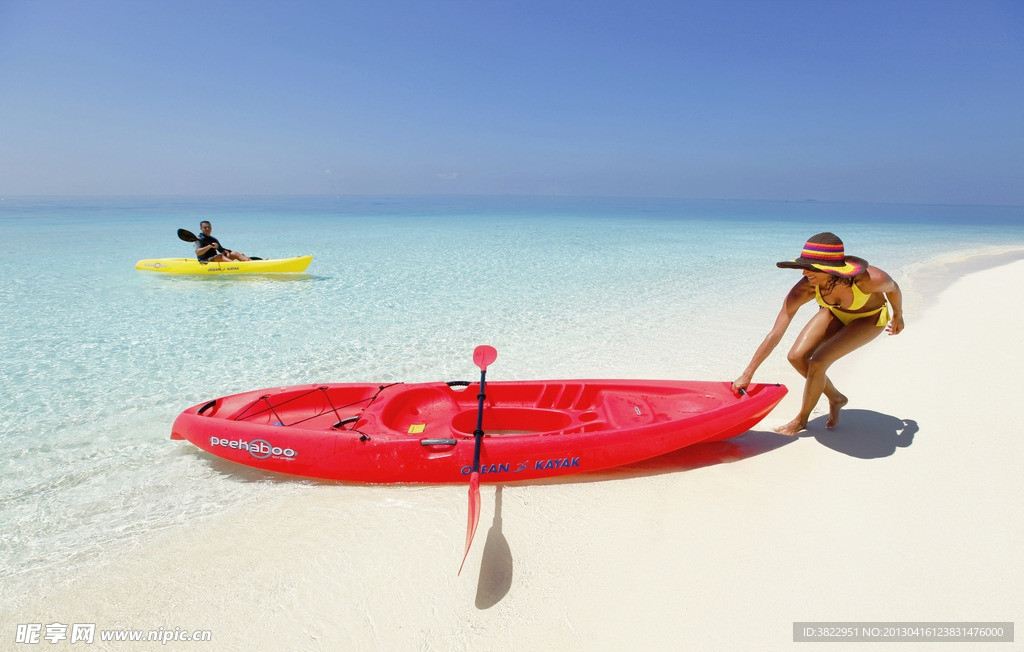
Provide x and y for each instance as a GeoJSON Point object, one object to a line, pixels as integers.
{"type": "Point", "coordinates": [458, 383]}
{"type": "Point", "coordinates": [207, 406]}
{"type": "Point", "coordinates": [438, 442]}
{"type": "Point", "coordinates": [345, 421]}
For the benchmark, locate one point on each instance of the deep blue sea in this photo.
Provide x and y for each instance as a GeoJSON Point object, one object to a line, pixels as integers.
{"type": "Point", "coordinates": [97, 359]}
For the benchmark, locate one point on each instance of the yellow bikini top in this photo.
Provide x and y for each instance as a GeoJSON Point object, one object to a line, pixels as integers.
{"type": "Point", "coordinates": [860, 298]}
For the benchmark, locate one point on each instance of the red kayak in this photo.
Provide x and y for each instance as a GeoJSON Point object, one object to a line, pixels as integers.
{"type": "Point", "coordinates": [425, 432]}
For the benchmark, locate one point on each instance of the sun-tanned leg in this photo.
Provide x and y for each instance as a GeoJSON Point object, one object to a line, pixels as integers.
{"type": "Point", "coordinates": [821, 327]}
{"type": "Point", "coordinates": [838, 341]}
{"type": "Point", "coordinates": [836, 399]}
{"type": "Point", "coordinates": [834, 407]}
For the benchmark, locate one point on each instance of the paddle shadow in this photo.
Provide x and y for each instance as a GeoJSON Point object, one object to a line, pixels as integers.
{"type": "Point", "coordinates": [496, 563]}
{"type": "Point", "coordinates": [865, 434]}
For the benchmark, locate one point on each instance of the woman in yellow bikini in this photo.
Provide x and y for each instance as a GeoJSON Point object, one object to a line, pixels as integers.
{"type": "Point", "coordinates": [852, 296]}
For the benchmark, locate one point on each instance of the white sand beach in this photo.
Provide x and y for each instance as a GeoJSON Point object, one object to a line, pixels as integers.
{"type": "Point", "coordinates": [908, 511]}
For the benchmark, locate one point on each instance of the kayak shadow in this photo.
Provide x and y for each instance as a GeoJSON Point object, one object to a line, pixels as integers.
{"type": "Point", "coordinates": [865, 434]}
{"type": "Point", "coordinates": [496, 564]}
{"type": "Point", "coordinates": [234, 279]}
{"type": "Point", "coordinates": [750, 444]}
{"type": "Point", "coordinates": [696, 456]}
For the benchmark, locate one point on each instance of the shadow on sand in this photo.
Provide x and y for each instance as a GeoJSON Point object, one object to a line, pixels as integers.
{"type": "Point", "coordinates": [862, 434]}
{"type": "Point", "coordinates": [496, 564]}
{"type": "Point", "coordinates": [865, 434]}
{"type": "Point", "coordinates": [695, 456]}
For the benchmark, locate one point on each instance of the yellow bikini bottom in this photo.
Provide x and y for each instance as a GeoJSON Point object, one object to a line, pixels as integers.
{"type": "Point", "coordinates": [849, 317]}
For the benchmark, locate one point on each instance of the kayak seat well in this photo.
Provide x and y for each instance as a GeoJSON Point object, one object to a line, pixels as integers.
{"type": "Point", "coordinates": [512, 421]}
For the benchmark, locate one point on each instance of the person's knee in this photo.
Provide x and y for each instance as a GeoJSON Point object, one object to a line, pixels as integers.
{"type": "Point", "coordinates": [798, 359]}
{"type": "Point", "coordinates": [816, 365]}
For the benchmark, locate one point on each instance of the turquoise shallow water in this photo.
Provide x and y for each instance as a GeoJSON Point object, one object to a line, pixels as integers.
{"type": "Point", "coordinates": [97, 359]}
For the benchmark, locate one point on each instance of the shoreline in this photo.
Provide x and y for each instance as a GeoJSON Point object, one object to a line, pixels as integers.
{"type": "Point", "coordinates": [931, 278]}
{"type": "Point", "coordinates": [856, 528]}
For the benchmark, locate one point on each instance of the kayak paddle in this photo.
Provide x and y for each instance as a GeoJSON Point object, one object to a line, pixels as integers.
{"type": "Point", "coordinates": [188, 236]}
{"type": "Point", "coordinates": [483, 356]}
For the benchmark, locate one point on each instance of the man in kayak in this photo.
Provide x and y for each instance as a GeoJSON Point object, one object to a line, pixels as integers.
{"type": "Point", "coordinates": [209, 250]}
{"type": "Point", "coordinates": [854, 301]}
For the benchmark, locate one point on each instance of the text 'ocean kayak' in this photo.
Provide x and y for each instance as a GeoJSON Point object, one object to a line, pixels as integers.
{"type": "Point", "coordinates": [424, 432]}
{"type": "Point", "coordinates": [193, 266]}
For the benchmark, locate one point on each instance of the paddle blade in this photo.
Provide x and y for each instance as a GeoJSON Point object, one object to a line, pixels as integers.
{"type": "Point", "coordinates": [484, 355]}
{"type": "Point", "coordinates": [187, 236]}
{"type": "Point", "coordinates": [474, 514]}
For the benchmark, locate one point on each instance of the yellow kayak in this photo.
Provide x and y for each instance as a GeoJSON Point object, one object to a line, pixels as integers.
{"type": "Point", "coordinates": [193, 266]}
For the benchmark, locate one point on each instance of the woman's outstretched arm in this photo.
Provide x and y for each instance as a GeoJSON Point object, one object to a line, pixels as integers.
{"type": "Point", "coordinates": [800, 294]}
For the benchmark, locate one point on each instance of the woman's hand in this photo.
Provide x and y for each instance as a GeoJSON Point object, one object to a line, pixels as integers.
{"type": "Point", "coordinates": [740, 384]}
{"type": "Point", "coordinates": [895, 326]}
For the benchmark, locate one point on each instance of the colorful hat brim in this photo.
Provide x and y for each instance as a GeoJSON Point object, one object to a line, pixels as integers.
{"type": "Point", "coordinates": [847, 270]}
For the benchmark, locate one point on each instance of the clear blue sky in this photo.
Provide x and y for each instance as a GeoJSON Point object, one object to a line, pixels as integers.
{"type": "Point", "coordinates": [890, 100]}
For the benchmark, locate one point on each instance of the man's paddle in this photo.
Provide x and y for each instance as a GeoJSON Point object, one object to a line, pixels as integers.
{"type": "Point", "coordinates": [188, 236]}
{"type": "Point", "coordinates": [483, 356]}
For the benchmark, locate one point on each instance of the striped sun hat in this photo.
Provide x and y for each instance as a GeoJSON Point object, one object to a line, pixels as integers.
{"type": "Point", "coordinates": [824, 252]}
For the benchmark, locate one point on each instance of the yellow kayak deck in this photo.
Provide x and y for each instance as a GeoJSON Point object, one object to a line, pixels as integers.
{"type": "Point", "coordinates": [193, 266]}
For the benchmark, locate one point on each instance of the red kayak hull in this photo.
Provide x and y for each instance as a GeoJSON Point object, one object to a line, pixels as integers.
{"type": "Point", "coordinates": [424, 432]}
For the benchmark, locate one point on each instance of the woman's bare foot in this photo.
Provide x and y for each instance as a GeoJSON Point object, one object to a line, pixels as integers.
{"type": "Point", "coordinates": [833, 411]}
{"type": "Point", "coordinates": [792, 428]}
